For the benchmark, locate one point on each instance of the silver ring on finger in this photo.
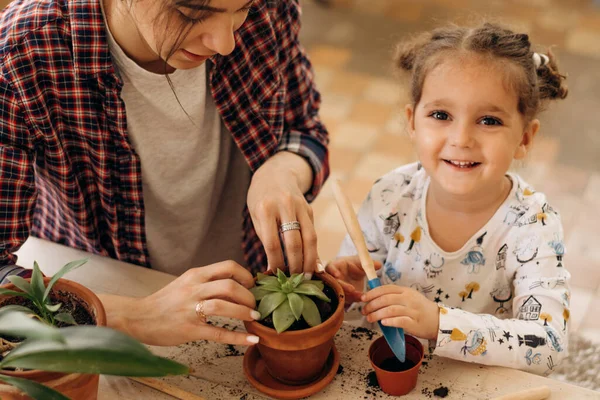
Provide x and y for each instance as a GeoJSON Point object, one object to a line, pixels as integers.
{"type": "Point", "coordinates": [289, 226]}
{"type": "Point", "coordinates": [200, 310]}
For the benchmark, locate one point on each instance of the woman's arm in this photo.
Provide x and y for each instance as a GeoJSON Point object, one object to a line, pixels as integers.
{"type": "Point", "coordinates": [282, 187]}
{"type": "Point", "coordinates": [304, 133]}
{"type": "Point", "coordinates": [168, 317]}
{"type": "Point", "coordinates": [17, 177]}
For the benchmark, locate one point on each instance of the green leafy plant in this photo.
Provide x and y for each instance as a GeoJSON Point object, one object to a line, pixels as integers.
{"type": "Point", "coordinates": [75, 349]}
{"type": "Point", "coordinates": [288, 299]}
{"type": "Point", "coordinates": [38, 294]}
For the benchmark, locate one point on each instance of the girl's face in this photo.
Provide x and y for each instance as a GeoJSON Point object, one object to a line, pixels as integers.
{"type": "Point", "coordinates": [466, 128]}
{"type": "Point", "coordinates": [207, 27]}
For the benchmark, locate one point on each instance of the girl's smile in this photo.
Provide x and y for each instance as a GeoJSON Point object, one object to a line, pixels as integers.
{"type": "Point", "coordinates": [461, 165]}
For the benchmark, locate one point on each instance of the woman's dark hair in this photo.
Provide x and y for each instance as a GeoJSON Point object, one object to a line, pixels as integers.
{"type": "Point", "coordinates": [533, 85]}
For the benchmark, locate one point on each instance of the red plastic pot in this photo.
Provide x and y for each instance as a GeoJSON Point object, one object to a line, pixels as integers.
{"type": "Point", "coordinates": [396, 383]}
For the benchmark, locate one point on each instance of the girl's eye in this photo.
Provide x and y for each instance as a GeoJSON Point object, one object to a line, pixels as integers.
{"type": "Point", "coordinates": [490, 121]}
{"type": "Point", "coordinates": [441, 115]}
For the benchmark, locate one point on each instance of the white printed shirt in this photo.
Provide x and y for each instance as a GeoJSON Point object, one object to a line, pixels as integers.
{"type": "Point", "coordinates": [503, 297]}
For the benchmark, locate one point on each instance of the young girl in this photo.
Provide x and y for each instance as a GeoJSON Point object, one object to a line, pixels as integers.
{"type": "Point", "coordinates": [471, 254]}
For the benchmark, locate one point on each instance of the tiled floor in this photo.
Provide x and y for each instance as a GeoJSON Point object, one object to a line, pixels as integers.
{"type": "Point", "coordinates": [350, 43]}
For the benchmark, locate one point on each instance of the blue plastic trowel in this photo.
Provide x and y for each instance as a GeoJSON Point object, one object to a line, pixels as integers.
{"type": "Point", "coordinates": [394, 336]}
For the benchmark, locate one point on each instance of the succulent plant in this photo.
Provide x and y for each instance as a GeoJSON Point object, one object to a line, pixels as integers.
{"type": "Point", "coordinates": [288, 299]}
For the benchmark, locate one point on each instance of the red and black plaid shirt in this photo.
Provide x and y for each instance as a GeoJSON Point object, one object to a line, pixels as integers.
{"type": "Point", "coordinates": [68, 172]}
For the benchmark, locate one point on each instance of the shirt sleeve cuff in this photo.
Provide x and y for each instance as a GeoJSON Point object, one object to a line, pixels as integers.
{"type": "Point", "coordinates": [454, 332]}
{"type": "Point", "coordinates": [316, 155]}
{"type": "Point", "coordinates": [10, 270]}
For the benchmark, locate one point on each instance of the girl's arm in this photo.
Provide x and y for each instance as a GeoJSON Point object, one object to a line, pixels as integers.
{"type": "Point", "coordinates": [535, 339]}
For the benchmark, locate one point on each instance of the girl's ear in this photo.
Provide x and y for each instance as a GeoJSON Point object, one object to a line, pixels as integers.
{"type": "Point", "coordinates": [410, 118]}
{"type": "Point", "coordinates": [527, 140]}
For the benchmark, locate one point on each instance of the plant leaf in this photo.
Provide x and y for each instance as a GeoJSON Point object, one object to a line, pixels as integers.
{"type": "Point", "coordinates": [15, 323]}
{"type": "Point", "coordinates": [66, 318]}
{"type": "Point", "coordinates": [283, 317]}
{"type": "Point", "coordinates": [8, 292]}
{"type": "Point", "coordinates": [296, 304]}
{"type": "Point", "coordinates": [311, 290]}
{"type": "Point", "coordinates": [310, 312]}
{"type": "Point", "coordinates": [296, 279]}
{"type": "Point", "coordinates": [260, 276]}
{"type": "Point", "coordinates": [281, 277]}
{"type": "Point", "coordinates": [272, 287]}
{"type": "Point", "coordinates": [21, 284]}
{"type": "Point", "coordinates": [267, 280]}
{"type": "Point", "coordinates": [92, 350]}
{"type": "Point", "coordinates": [318, 284]}
{"type": "Point", "coordinates": [53, 307]}
{"type": "Point", "coordinates": [18, 308]}
{"type": "Point", "coordinates": [37, 283]}
{"type": "Point", "coordinates": [65, 269]}
{"type": "Point", "coordinates": [270, 302]}
{"type": "Point", "coordinates": [33, 389]}
{"type": "Point", "coordinates": [259, 292]}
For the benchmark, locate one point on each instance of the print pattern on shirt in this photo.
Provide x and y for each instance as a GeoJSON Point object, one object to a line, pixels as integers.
{"type": "Point", "coordinates": [503, 298]}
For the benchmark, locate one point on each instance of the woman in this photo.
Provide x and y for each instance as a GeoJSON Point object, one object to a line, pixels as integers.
{"type": "Point", "coordinates": [150, 131]}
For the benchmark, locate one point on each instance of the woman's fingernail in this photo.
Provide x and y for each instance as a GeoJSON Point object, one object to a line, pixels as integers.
{"type": "Point", "coordinates": [255, 315]}
{"type": "Point", "coordinates": [308, 276]}
{"type": "Point", "coordinates": [320, 267]}
{"type": "Point", "coordinates": [363, 298]}
{"type": "Point", "coordinates": [253, 339]}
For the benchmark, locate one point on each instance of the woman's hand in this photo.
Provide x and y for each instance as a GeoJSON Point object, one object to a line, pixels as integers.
{"type": "Point", "coordinates": [350, 275]}
{"type": "Point", "coordinates": [168, 317]}
{"type": "Point", "coordinates": [276, 196]}
{"type": "Point", "coordinates": [404, 308]}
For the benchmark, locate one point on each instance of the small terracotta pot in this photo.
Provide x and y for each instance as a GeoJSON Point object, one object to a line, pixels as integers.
{"type": "Point", "coordinates": [74, 386]}
{"type": "Point", "coordinates": [396, 383]}
{"type": "Point", "coordinates": [298, 357]}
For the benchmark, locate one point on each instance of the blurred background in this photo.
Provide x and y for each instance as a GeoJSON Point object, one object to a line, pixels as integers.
{"type": "Point", "coordinates": [350, 43]}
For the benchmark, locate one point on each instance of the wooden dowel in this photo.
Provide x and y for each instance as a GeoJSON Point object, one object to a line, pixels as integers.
{"type": "Point", "coordinates": [354, 230]}
{"type": "Point", "coordinates": [538, 393]}
{"type": "Point", "coordinates": [164, 387]}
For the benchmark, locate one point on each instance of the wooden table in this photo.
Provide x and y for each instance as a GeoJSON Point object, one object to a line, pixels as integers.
{"type": "Point", "coordinates": [220, 366]}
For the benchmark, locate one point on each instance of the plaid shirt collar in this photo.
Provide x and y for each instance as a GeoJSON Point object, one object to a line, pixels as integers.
{"type": "Point", "coordinates": [89, 38]}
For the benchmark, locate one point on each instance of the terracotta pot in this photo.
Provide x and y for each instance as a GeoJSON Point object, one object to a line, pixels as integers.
{"type": "Point", "coordinates": [74, 386]}
{"type": "Point", "coordinates": [396, 383]}
{"type": "Point", "coordinates": [298, 357]}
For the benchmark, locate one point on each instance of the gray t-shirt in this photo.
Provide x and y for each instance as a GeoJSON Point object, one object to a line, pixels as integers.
{"type": "Point", "coordinates": [195, 179]}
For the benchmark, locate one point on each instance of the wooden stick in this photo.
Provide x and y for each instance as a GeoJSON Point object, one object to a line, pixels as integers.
{"type": "Point", "coordinates": [538, 393]}
{"type": "Point", "coordinates": [164, 387]}
{"type": "Point", "coordinates": [354, 230]}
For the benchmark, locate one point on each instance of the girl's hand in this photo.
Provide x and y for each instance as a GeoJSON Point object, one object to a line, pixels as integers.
{"type": "Point", "coordinates": [350, 275]}
{"type": "Point", "coordinates": [276, 196]}
{"type": "Point", "coordinates": [404, 308]}
{"type": "Point", "coordinates": [168, 317]}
